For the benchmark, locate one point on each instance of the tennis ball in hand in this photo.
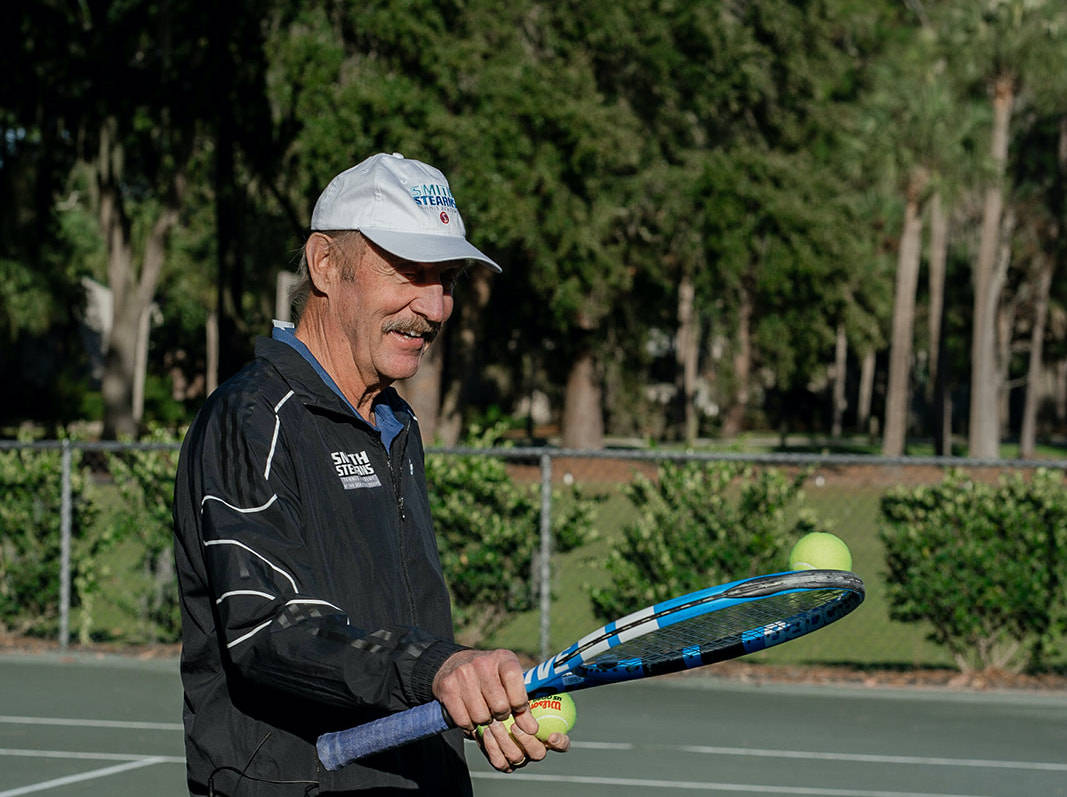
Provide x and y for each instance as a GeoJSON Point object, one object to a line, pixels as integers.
{"type": "Point", "coordinates": [554, 714]}
{"type": "Point", "coordinates": [820, 550]}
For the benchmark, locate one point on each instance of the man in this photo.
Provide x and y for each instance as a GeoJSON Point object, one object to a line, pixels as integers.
{"type": "Point", "coordinates": [312, 595]}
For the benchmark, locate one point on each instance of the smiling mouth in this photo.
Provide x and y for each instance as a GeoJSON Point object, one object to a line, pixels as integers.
{"type": "Point", "coordinates": [425, 332]}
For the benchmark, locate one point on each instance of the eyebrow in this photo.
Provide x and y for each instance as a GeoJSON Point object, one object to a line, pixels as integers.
{"type": "Point", "coordinates": [458, 266]}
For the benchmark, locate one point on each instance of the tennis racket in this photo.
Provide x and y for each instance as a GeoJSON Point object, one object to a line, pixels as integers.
{"type": "Point", "coordinates": [703, 627]}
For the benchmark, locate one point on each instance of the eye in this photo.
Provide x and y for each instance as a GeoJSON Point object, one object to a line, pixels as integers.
{"type": "Point", "coordinates": [408, 271]}
{"type": "Point", "coordinates": [449, 277]}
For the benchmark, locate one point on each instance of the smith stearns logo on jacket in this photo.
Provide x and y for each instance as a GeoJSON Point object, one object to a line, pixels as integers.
{"type": "Point", "coordinates": [354, 470]}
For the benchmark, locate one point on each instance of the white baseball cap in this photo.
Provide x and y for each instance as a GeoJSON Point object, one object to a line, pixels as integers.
{"type": "Point", "coordinates": [404, 206]}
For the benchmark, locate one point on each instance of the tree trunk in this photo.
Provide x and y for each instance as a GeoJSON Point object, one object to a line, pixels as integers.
{"type": "Point", "coordinates": [211, 343]}
{"type": "Point", "coordinates": [423, 392]}
{"type": "Point", "coordinates": [898, 397]}
{"type": "Point", "coordinates": [283, 289]}
{"type": "Point", "coordinates": [733, 420]}
{"type": "Point", "coordinates": [463, 361]}
{"type": "Point", "coordinates": [229, 245]}
{"type": "Point", "coordinates": [942, 405]}
{"type": "Point", "coordinates": [687, 357]}
{"type": "Point", "coordinates": [1060, 392]}
{"type": "Point", "coordinates": [583, 420]}
{"type": "Point", "coordinates": [1005, 315]}
{"type": "Point", "coordinates": [937, 385]}
{"type": "Point", "coordinates": [140, 364]}
{"type": "Point", "coordinates": [840, 364]}
{"type": "Point", "coordinates": [937, 260]}
{"type": "Point", "coordinates": [866, 392]}
{"type": "Point", "coordinates": [984, 428]}
{"type": "Point", "coordinates": [1028, 433]}
{"type": "Point", "coordinates": [131, 292]}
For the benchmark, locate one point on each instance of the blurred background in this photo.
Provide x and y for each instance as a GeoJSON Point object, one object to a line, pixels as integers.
{"type": "Point", "coordinates": [730, 231]}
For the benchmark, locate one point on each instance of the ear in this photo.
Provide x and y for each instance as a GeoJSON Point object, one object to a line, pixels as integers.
{"type": "Point", "coordinates": [322, 268]}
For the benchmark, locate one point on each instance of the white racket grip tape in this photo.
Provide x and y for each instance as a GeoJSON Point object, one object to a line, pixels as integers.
{"type": "Point", "coordinates": [343, 747]}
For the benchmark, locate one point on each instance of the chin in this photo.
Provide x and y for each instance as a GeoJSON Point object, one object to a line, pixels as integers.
{"type": "Point", "coordinates": [403, 370]}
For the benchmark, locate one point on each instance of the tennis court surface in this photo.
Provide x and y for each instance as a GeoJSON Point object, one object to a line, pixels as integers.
{"type": "Point", "coordinates": [95, 726]}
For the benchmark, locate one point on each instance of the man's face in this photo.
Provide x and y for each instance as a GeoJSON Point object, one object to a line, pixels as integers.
{"type": "Point", "coordinates": [391, 309]}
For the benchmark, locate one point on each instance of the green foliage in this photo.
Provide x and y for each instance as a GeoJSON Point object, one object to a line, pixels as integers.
{"type": "Point", "coordinates": [982, 564]}
{"type": "Point", "coordinates": [145, 480]}
{"type": "Point", "coordinates": [698, 525]}
{"type": "Point", "coordinates": [487, 531]}
{"type": "Point", "coordinates": [30, 481]}
{"type": "Point", "coordinates": [599, 150]}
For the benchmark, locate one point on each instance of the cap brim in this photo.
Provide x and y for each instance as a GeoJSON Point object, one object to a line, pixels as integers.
{"type": "Point", "coordinates": [425, 248]}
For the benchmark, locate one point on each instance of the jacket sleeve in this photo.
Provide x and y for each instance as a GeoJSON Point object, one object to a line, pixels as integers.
{"type": "Point", "coordinates": [274, 625]}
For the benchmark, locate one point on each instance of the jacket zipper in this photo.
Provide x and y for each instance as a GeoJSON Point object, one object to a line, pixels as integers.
{"type": "Point", "coordinates": [398, 494]}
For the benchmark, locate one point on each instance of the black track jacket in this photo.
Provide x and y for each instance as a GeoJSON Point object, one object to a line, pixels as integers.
{"type": "Point", "coordinates": [312, 597]}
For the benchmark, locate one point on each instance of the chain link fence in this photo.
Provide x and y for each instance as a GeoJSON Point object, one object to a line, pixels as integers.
{"type": "Point", "coordinates": [85, 540]}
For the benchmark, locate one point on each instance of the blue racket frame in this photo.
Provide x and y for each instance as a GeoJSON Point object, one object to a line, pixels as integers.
{"type": "Point", "coordinates": [588, 662]}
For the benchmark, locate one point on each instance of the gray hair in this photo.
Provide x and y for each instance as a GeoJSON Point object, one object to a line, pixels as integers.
{"type": "Point", "coordinates": [303, 287]}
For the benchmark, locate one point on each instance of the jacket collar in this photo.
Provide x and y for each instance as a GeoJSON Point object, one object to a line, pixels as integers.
{"type": "Point", "coordinates": [310, 388]}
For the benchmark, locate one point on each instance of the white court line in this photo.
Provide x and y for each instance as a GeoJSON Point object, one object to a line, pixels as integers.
{"type": "Point", "coordinates": [96, 773]}
{"type": "Point", "coordinates": [75, 755]}
{"type": "Point", "coordinates": [707, 786]}
{"type": "Point", "coordinates": [865, 758]}
{"type": "Point", "coordinates": [91, 723]}
{"type": "Point", "coordinates": [979, 763]}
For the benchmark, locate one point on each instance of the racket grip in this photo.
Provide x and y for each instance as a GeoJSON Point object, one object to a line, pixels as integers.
{"type": "Point", "coordinates": [343, 747]}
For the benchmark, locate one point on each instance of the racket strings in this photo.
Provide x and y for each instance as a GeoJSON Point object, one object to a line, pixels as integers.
{"type": "Point", "coordinates": [700, 636]}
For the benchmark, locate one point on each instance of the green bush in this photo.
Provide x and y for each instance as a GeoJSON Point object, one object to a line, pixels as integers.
{"type": "Point", "coordinates": [698, 525]}
{"type": "Point", "coordinates": [30, 481]}
{"type": "Point", "coordinates": [145, 481]}
{"type": "Point", "coordinates": [487, 531]}
{"type": "Point", "coordinates": [983, 564]}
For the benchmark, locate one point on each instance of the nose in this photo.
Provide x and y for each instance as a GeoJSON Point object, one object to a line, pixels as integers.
{"type": "Point", "coordinates": [432, 302]}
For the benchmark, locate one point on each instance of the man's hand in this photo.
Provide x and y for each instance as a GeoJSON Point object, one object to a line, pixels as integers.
{"type": "Point", "coordinates": [484, 687]}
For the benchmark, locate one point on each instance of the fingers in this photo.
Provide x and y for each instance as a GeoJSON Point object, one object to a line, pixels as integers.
{"type": "Point", "coordinates": [559, 743]}
{"type": "Point", "coordinates": [484, 688]}
{"type": "Point", "coordinates": [508, 751]}
{"type": "Point", "coordinates": [478, 686]}
{"type": "Point", "coordinates": [524, 718]}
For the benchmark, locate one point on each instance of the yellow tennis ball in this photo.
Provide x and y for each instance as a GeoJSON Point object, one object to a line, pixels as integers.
{"type": "Point", "coordinates": [820, 550]}
{"type": "Point", "coordinates": [554, 714]}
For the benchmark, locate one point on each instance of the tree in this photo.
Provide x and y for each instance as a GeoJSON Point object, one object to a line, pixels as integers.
{"type": "Point", "coordinates": [914, 98]}
{"type": "Point", "coordinates": [124, 93]}
{"type": "Point", "coordinates": [46, 246]}
{"type": "Point", "coordinates": [989, 276]}
{"type": "Point", "coordinates": [530, 149]}
{"type": "Point", "coordinates": [248, 144]}
{"type": "Point", "coordinates": [936, 391]}
{"type": "Point", "coordinates": [1005, 48]}
{"type": "Point", "coordinates": [898, 397]}
{"type": "Point", "coordinates": [1039, 172]}
{"type": "Point", "coordinates": [740, 104]}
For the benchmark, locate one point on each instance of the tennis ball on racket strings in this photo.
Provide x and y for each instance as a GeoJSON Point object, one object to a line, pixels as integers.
{"type": "Point", "coordinates": [820, 550]}
{"type": "Point", "coordinates": [554, 714]}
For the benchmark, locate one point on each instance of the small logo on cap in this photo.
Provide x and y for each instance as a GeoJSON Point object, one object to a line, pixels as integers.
{"type": "Point", "coordinates": [444, 217]}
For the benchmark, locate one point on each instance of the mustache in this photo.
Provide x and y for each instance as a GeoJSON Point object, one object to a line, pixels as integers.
{"type": "Point", "coordinates": [428, 330]}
